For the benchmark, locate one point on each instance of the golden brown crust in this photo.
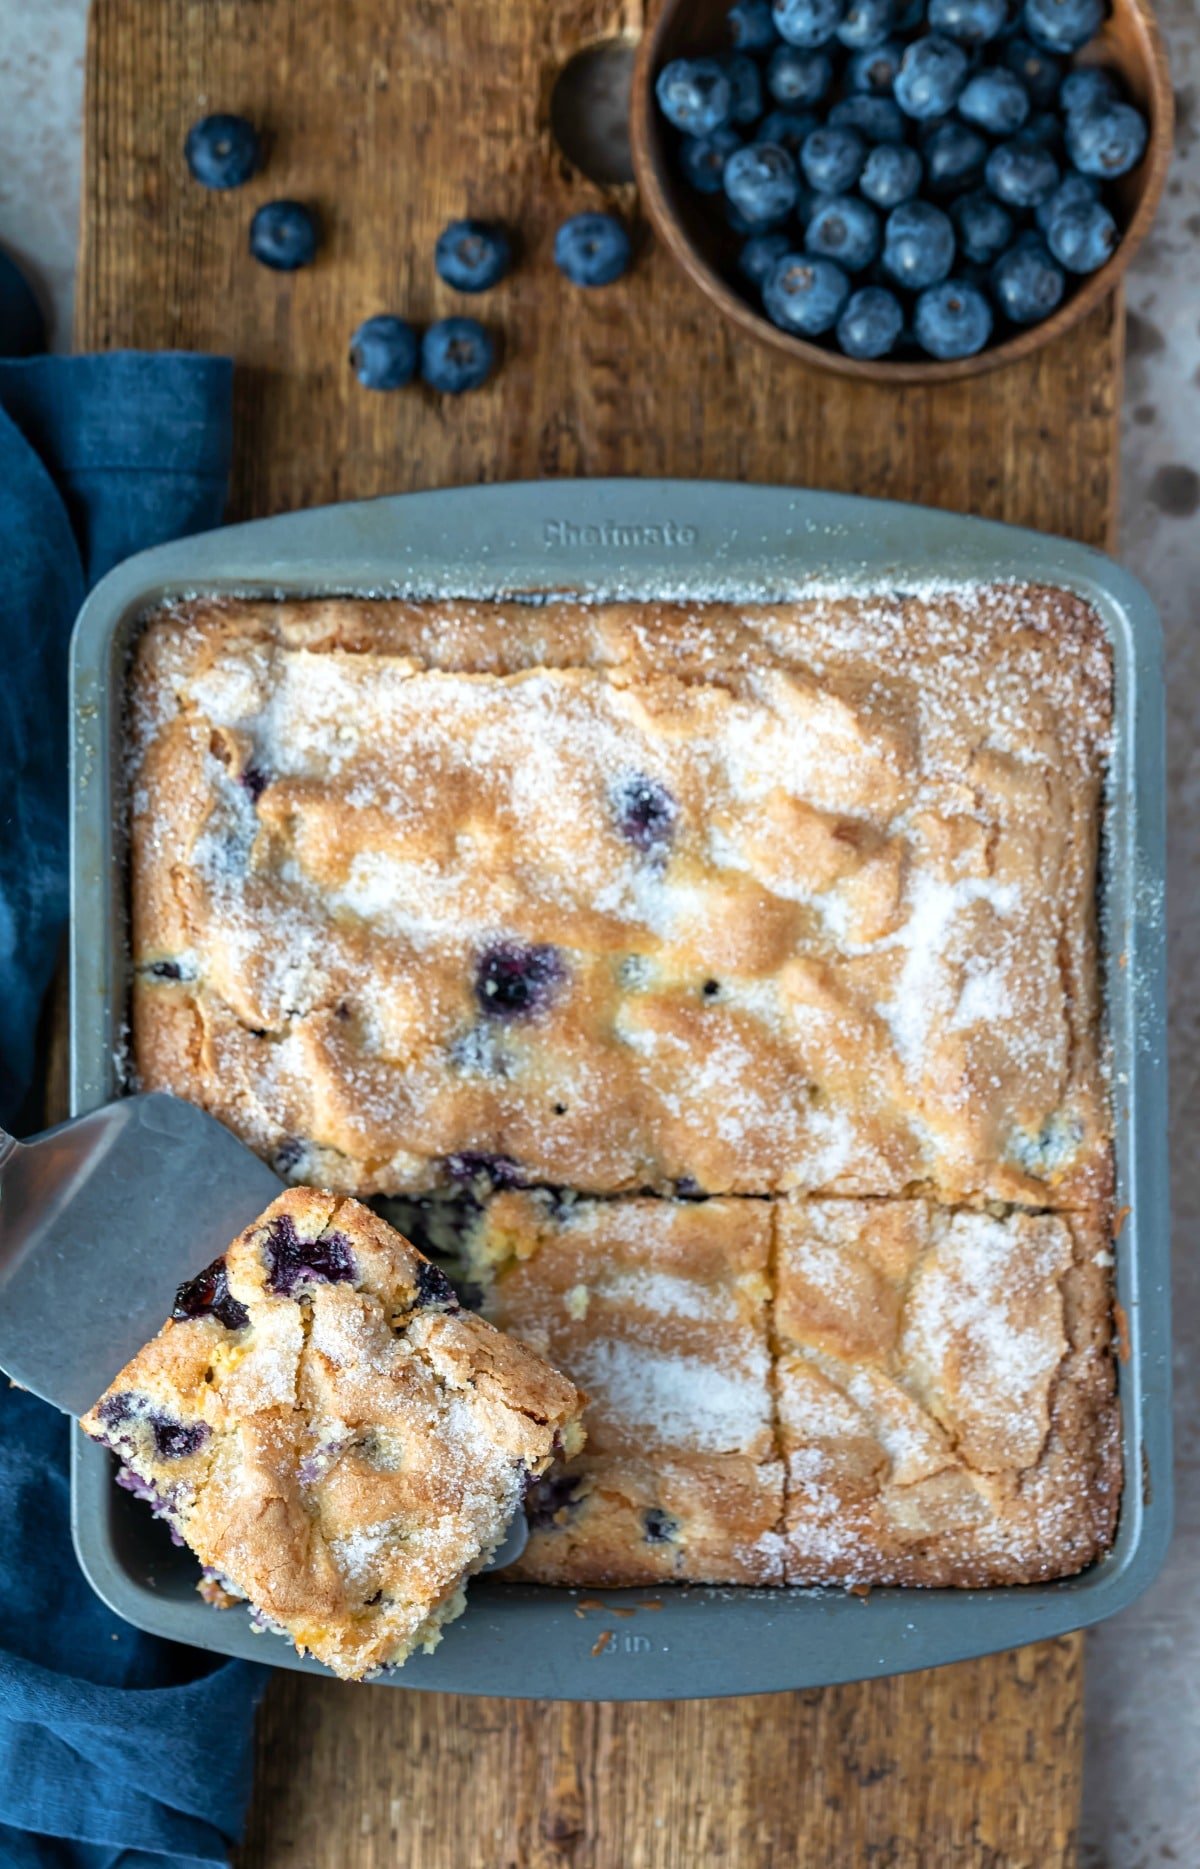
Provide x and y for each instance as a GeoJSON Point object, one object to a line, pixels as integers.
{"type": "Point", "coordinates": [338, 1443]}
{"type": "Point", "coordinates": [854, 953]}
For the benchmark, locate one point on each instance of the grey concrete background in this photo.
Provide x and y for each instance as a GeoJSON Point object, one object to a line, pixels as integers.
{"type": "Point", "coordinates": [1142, 1788]}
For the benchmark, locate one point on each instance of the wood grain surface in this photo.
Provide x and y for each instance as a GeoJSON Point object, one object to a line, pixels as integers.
{"type": "Point", "coordinates": [391, 116]}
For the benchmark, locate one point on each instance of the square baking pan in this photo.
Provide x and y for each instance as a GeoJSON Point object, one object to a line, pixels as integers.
{"type": "Point", "coordinates": [648, 538]}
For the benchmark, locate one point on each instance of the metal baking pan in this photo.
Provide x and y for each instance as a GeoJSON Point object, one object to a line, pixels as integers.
{"type": "Point", "coordinates": [693, 539]}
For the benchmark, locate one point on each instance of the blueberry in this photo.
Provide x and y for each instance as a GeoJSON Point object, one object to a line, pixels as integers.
{"type": "Point", "coordinates": [165, 970]}
{"type": "Point", "coordinates": [115, 1409]}
{"type": "Point", "coordinates": [383, 354]}
{"type": "Point", "coordinates": [513, 980]}
{"type": "Point", "coordinates": [788, 128]}
{"type": "Point", "coordinates": [457, 354]}
{"type": "Point", "coordinates": [695, 94]}
{"type": "Point", "coordinates": [808, 22]}
{"type": "Point", "coordinates": [918, 245]}
{"type": "Point", "coordinates": [548, 1501]}
{"type": "Point", "coordinates": [1021, 173]}
{"type": "Point", "coordinates": [761, 182]}
{"type": "Point", "coordinates": [932, 73]}
{"type": "Point", "coordinates": [952, 320]}
{"type": "Point", "coordinates": [751, 26]}
{"type": "Point", "coordinates": [871, 323]}
{"type": "Point", "coordinates": [1045, 128]}
{"type": "Point", "coordinates": [1106, 139]}
{"type": "Point", "coordinates": [1072, 191]}
{"type": "Point", "coordinates": [645, 810]}
{"type": "Point", "coordinates": [477, 1165]}
{"type": "Point", "coordinates": [472, 256]}
{"type": "Point", "coordinates": [22, 326]}
{"type": "Point", "coordinates": [832, 158]}
{"type": "Point", "coordinates": [806, 295]}
{"type": "Point", "coordinates": [874, 69]}
{"type": "Point", "coordinates": [1082, 236]}
{"type": "Point", "coordinates": [878, 119]}
{"type": "Point", "coordinates": [208, 1295]}
{"type": "Point", "coordinates": [954, 158]}
{"type": "Point", "coordinates": [983, 226]}
{"type": "Point", "coordinates": [1027, 283]}
{"type": "Point", "coordinates": [867, 23]}
{"type": "Point", "coordinates": [745, 83]}
{"type": "Point", "coordinates": [254, 779]}
{"type": "Point", "coordinates": [1090, 85]}
{"type": "Point", "coordinates": [284, 236]}
{"type": "Point", "coordinates": [592, 249]}
{"type": "Point", "coordinates": [995, 100]}
{"type": "Point", "coordinates": [1063, 26]}
{"type": "Point", "coordinates": [844, 229]}
{"type": "Point", "coordinates": [222, 151]}
{"type": "Point", "coordinates": [175, 1440]}
{"type": "Point", "coordinates": [288, 1155]}
{"type": "Point", "coordinates": [434, 1288]}
{"type": "Point", "coordinates": [291, 1261]}
{"type": "Point", "coordinates": [658, 1526]}
{"type": "Point", "coordinates": [798, 77]}
{"type": "Point", "coordinates": [703, 158]}
{"type": "Point", "coordinates": [971, 22]}
{"type": "Point", "coordinates": [892, 174]}
{"type": "Point", "coordinates": [1040, 73]}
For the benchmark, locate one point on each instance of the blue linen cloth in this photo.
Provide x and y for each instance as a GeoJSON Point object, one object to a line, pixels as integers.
{"type": "Point", "coordinates": [117, 1751]}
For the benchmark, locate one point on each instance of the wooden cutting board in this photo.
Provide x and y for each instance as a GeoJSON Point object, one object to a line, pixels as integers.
{"type": "Point", "coordinates": [392, 116]}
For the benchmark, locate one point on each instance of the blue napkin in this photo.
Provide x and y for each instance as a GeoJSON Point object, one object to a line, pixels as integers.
{"type": "Point", "coordinates": [117, 1751]}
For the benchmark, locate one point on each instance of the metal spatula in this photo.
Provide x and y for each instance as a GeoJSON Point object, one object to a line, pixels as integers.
{"type": "Point", "coordinates": [100, 1220]}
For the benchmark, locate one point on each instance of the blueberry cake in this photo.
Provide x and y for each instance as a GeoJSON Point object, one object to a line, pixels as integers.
{"type": "Point", "coordinates": [745, 899]}
{"type": "Point", "coordinates": [659, 1309]}
{"type": "Point", "coordinates": [814, 1391]}
{"type": "Point", "coordinates": [334, 1438]}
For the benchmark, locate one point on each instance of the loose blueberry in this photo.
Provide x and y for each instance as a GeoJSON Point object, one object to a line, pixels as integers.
{"type": "Point", "coordinates": [434, 1288]}
{"type": "Point", "coordinates": [759, 256]}
{"type": "Point", "coordinates": [751, 25]}
{"type": "Point", "coordinates": [806, 295]}
{"type": "Point", "coordinates": [514, 980]}
{"type": "Point", "coordinates": [932, 73]}
{"type": "Point", "coordinates": [658, 1526]}
{"type": "Point", "coordinates": [1021, 173]}
{"type": "Point", "coordinates": [892, 174]}
{"type": "Point", "coordinates": [1027, 282]}
{"type": "Point", "coordinates": [789, 129]}
{"type": "Point", "coordinates": [291, 1261]}
{"type": "Point", "coordinates": [175, 1440]}
{"type": "Point", "coordinates": [1045, 128]}
{"type": "Point", "coordinates": [548, 1501]}
{"type": "Point", "coordinates": [832, 159]}
{"type": "Point", "coordinates": [1039, 72]}
{"type": "Point", "coordinates": [995, 100]}
{"type": "Point", "coordinates": [1063, 26]}
{"type": "Point", "coordinates": [1088, 86]}
{"type": "Point", "coordinates": [867, 23]}
{"type": "Point", "coordinates": [918, 245]}
{"type": "Point", "coordinates": [284, 236]}
{"type": "Point", "coordinates": [878, 119]}
{"type": "Point", "coordinates": [971, 22]}
{"type": "Point", "coordinates": [22, 325]}
{"type": "Point", "coordinates": [952, 320]}
{"type": "Point", "coordinates": [222, 151]}
{"type": "Point", "coordinates": [1071, 192]}
{"type": "Point", "coordinates": [645, 810]}
{"type": "Point", "coordinates": [808, 22]}
{"type": "Point", "coordinates": [871, 323]}
{"type": "Point", "coordinates": [1082, 236]}
{"type": "Point", "coordinates": [457, 355]}
{"type": "Point", "coordinates": [472, 256]}
{"type": "Point", "coordinates": [703, 159]}
{"type": "Point", "coordinates": [873, 70]}
{"type": "Point", "coordinates": [954, 155]}
{"type": "Point", "coordinates": [761, 182]}
{"type": "Point", "coordinates": [1106, 139]}
{"type": "Point", "coordinates": [983, 226]}
{"type": "Point", "coordinates": [798, 77]}
{"type": "Point", "coordinates": [208, 1295]}
{"type": "Point", "coordinates": [695, 94]}
{"type": "Point", "coordinates": [745, 83]}
{"type": "Point", "coordinates": [844, 229]}
{"type": "Point", "coordinates": [384, 352]}
{"type": "Point", "coordinates": [477, 1165]}
{"type": "Point", "coordinates": [592, 249]}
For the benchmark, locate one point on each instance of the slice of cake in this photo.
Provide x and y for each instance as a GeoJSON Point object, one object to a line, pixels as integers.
{"type": "Point", "coordinates": [659, 1310]}
{"type": "Point", "coordinates": [945, 1387]}
{"type": "Point", "coordinates": [333, 1437]}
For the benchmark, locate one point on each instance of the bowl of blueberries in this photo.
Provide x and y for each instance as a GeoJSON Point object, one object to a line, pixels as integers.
{"type": "Point", "coordinates": [903, 190]}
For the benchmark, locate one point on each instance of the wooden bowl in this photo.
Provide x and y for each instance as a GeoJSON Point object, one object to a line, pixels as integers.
{"type": "Point", "coordinates": [1129, 43]}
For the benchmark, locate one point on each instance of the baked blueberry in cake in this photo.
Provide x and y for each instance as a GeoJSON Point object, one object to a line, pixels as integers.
{"type": "Point", "coordinates": [336, 1440]}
